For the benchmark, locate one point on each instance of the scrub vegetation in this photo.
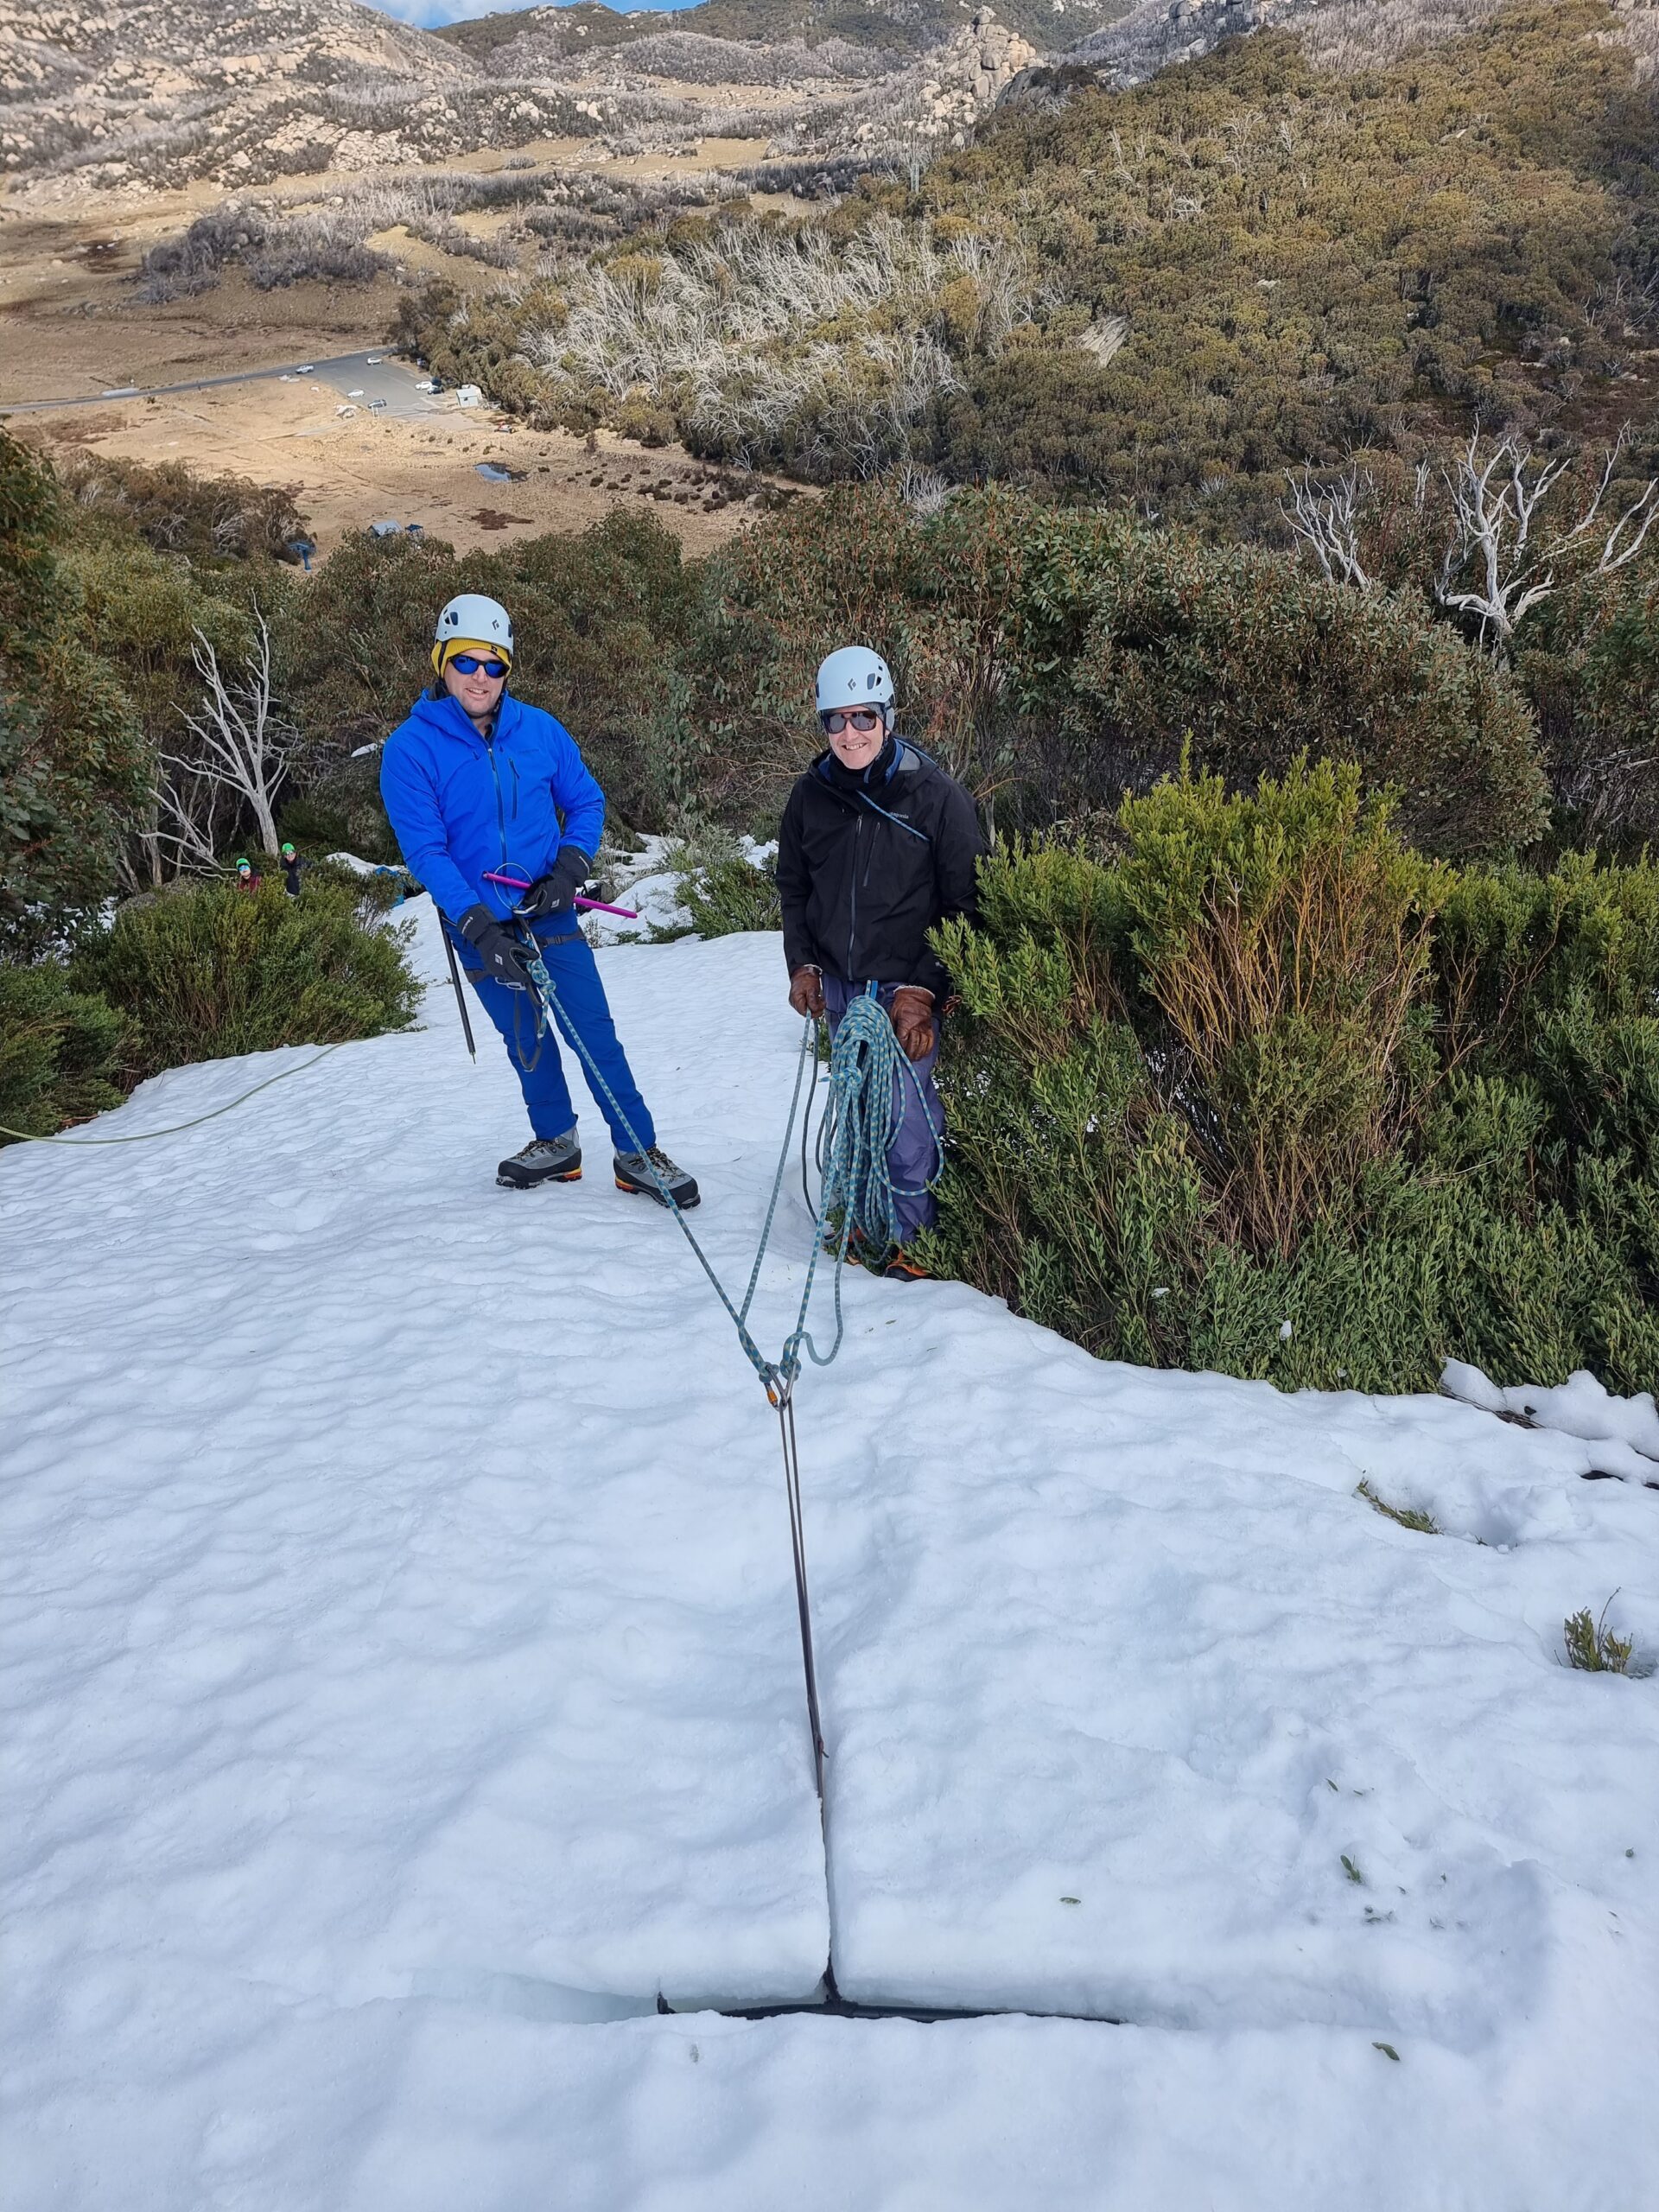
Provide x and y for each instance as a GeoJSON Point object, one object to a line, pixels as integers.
{"type": "Point", "coordinates": [1287, 251]}
{"type": "Point", "coordinates": [1259, 1090]}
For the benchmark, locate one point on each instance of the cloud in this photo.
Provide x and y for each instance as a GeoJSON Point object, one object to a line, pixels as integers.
{"type": "Point", "coordinates": [429, 14]}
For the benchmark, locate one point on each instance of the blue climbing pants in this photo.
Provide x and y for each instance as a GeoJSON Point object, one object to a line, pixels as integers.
{"type": "Point", "coordinates": [912, 1156]}
{"type": "Point", "coordinates": [574, 973]}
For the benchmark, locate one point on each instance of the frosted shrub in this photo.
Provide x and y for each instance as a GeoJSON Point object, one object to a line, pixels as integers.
{"type": "Point", "coordinates": [765, 339]}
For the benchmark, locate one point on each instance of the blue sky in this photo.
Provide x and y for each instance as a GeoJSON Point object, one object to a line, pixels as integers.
{"type": "Point", "coordinates": [429, 12]}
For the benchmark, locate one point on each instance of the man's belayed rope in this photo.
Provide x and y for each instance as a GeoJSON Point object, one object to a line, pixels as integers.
{"type": "Point", "coordinates": [866, 1069]}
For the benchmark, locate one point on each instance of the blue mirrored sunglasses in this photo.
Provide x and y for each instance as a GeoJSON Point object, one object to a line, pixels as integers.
{"type": "Point", "coordinates": [470, 664]}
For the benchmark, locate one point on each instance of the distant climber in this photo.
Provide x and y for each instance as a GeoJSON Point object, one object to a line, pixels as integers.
{"type": "Point", "coordinates": [477, 783]}
{"type": "Point", "coordinates": [291, 866]}
{"type": "Point", "coordinates": [878, 844]}
{"type": "Point", "coordinates": [246, 879]}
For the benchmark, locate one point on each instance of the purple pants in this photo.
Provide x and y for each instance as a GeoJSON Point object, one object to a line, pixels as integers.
{"type": "Point", "coordinates": [913, 1157]}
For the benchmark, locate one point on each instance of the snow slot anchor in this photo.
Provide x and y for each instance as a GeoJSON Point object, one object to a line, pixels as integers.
{"type": "Point", "coordinates": [866, 1068]}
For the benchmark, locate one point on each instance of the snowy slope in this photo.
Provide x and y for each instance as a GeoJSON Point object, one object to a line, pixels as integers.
{"type": "Point", "coordinates": [404, 1689]}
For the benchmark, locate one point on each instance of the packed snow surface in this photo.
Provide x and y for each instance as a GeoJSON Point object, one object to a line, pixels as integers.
{"type": "Point", "coordinates": [404, 1689]}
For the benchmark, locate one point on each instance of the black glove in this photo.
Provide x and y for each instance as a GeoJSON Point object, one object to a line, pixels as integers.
{"type": "Point", "coordinates": [553, 893]}
{"type": "Point", "coordinates": [497, 951]}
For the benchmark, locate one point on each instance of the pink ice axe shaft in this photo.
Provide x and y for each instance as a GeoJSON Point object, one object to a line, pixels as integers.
{"type": "Point", "coordinates": [593, 905]}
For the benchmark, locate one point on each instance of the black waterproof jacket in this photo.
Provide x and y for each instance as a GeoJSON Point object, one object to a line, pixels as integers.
{"type": "Point", "coordinates": [867, 865]}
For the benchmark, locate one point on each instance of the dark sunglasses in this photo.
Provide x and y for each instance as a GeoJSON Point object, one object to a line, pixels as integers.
{"type": "Point", "coordinates": [470, 664]}
{"type": "Point", "coordinates": [862, 719]}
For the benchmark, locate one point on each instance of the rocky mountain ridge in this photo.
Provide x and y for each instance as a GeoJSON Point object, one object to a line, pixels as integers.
{"type": "Point", "coordinates": [143, 95]}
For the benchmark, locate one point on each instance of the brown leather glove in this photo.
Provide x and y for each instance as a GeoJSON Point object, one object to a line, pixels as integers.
{"type": "Point", "coordinates": [912, 1016]}
{"type": "Point", "coordinates": [806, 992]}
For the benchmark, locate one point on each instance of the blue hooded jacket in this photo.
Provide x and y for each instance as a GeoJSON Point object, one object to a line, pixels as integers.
{"type": "Point", "coordinates": [460, 806]}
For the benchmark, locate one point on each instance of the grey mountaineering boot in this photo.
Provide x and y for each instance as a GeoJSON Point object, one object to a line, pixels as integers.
{"type": "Point", "coordinates": [633, 1172]}
{"type": "Point", "coordinates": [544, 1159]}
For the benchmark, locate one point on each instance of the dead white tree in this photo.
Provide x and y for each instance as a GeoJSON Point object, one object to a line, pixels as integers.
{"type": "Point", "coordinates": [1499, 500]}
{"type": "Point", "coordinates": [1326, 517]}
{"type": "Point", "coordinates": [241, 752]}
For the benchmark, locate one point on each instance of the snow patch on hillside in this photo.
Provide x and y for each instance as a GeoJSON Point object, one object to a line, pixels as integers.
{"type": "Point", "coordinates": [404, 1688]}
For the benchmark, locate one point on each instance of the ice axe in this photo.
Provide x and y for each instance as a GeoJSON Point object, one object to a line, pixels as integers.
{"type": "Point", "coordinates": [592, 905]}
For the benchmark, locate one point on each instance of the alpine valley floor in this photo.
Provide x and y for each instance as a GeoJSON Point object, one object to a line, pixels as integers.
{"type": "Point", "coordinates": [403, 1690]}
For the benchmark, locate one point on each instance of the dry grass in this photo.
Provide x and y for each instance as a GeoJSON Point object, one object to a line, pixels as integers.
{"type": "Point", "coordinates": [1293, 1006]}
{"type": "Point", "coordinates": [1407, 1517]}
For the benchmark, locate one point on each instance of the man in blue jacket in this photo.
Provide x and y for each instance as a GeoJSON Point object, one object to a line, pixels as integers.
{"type": "Point", "coordinates": [477, 784]}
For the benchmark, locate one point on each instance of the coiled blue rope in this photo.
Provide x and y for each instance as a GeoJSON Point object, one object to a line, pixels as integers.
{"type": "Point", "coordinates": [868, 1069]}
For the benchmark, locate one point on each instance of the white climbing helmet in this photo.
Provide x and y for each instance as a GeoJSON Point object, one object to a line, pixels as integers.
{"type": "Point", "coordinates": [856, 676]}
{"type": "Point", "coordinates": [471, 620]}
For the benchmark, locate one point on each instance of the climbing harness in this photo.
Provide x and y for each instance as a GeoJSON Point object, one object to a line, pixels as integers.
{"type": "Point", "coordinates": [866, 1066]}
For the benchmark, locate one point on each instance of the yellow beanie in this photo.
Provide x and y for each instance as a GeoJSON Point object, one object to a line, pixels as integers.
{"type": "Point", "coordinates": [485, 650]}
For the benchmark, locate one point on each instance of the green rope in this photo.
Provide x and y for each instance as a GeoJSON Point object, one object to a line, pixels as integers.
{"type": "Point", "coordinates": [146, 1137]}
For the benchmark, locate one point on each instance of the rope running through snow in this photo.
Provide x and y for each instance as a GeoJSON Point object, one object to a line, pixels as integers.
{"type": "Point", "coordinates": [867, 1075]}
{"type": "Point", "coordinates": [868, 1068]}
{"type": "Point", "coordinates": [147, 1136]}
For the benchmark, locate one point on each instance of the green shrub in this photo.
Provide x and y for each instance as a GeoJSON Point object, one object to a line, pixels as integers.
{"type": "Point", "coordinates": [1592, 1647]}
{"type": "Point", "coordinates": [59, 1049]}
{"type": "Point", "coordinates": [170, 507]}
{"type": "Point", "coordinates": [1265, 1093]}
{"type": "Point", "coordinates": [1284, 941]}
{"type": "Point", "coordinates": [73, 759]}
{"type": "Point", "coordinates": [210, 971]}
{"type": "Point", "coordinates": [1259, 660]}
{"type": "Point", "coordinates": [731, 895]}
{"type": "Point", "coordinates": [1051, 657]}
{"type": "Point", "coordinates": [342, 812]}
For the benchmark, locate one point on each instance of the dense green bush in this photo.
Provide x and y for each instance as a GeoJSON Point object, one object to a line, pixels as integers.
{"type": "Point", "coordinates": [1590, 660]}
{"type": "Point", "coordinates": [208, 519]}
{"type": "Point", "coordinates": [730, 895]}
{"type": "Point", "coordinates": [74, 768]}
{"type": "Point", "coordinates": [1265, 1093]}
{"type": "Point", "coordinates": [1052, 656]}
{"type": "Point", "coordinates": [210, 971]}
{"type": "Point", "coordinates": [59, 1050]}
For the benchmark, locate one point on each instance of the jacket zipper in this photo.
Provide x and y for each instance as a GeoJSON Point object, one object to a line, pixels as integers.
{"type": "Point", "coordinates": [500, 804]}
{"type": "Point", "coordinates": [852, 921]}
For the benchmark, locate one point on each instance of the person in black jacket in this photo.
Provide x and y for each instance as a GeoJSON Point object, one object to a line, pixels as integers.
{"type": "Point", "coordinates": [878, 844]}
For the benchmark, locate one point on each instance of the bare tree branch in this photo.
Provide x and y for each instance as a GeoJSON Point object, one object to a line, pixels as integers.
{"type": "Point", "coordinates": [1327, 519]}
{"type": "Point", "coordinates": [242, 751]}
{"type": "Point", "coordinates": [1498, 498]}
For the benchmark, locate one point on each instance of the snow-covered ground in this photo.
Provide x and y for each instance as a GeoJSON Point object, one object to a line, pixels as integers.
{"type": "Point", "coordinates": [403, 1688]}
